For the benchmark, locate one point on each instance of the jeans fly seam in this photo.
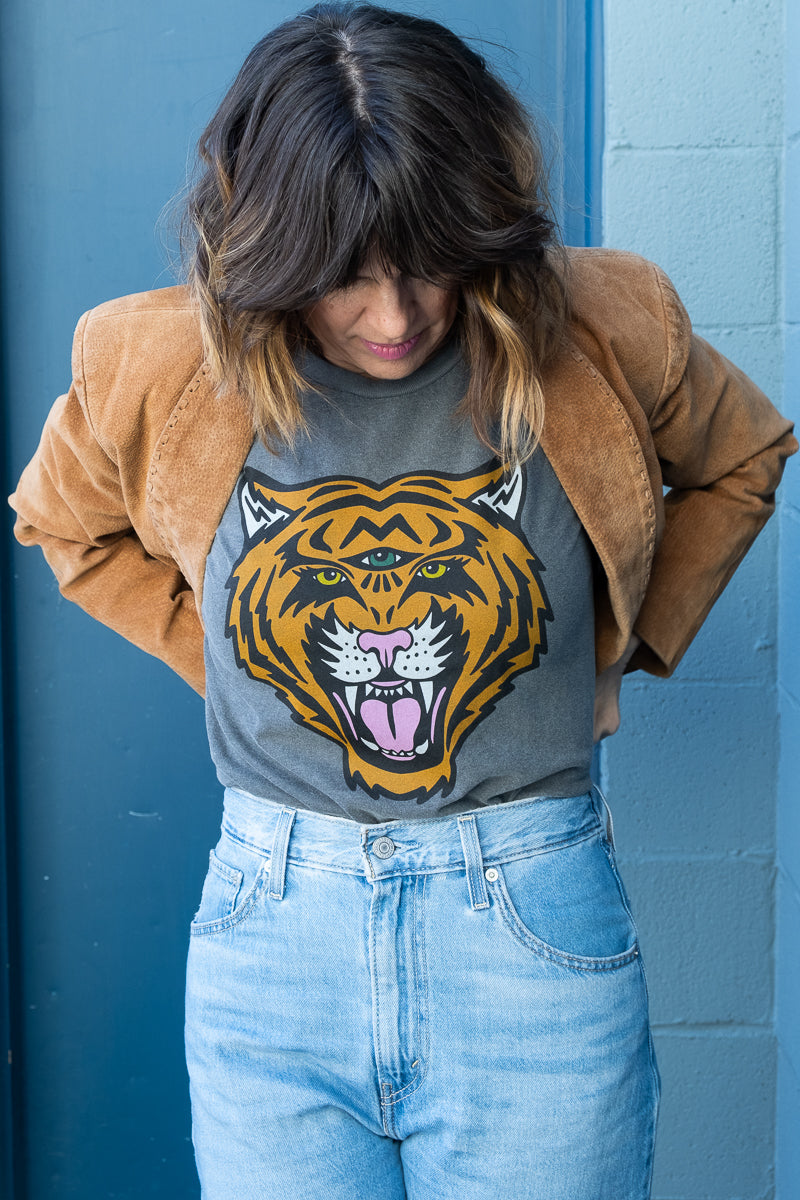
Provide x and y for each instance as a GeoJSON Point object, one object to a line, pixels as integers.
{"type": "Point", "coordinates": [384, 1088]}
{"type": "Point", "coordinates": [422, 972]}
{"type": "Point", "coordinates": [365, 853]}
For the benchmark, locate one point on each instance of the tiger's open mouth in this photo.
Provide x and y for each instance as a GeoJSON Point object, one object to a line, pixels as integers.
{"type": "Point", "coordinates": [393, 718]}
{"type": "Point", "coordinates": [390, 720]}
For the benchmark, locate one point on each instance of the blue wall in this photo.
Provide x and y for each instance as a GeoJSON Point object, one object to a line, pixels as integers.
{"type": "Point", "coordinates": [788, 945]}
{"type": "Point", "coordinates": [112, 802]}
{"type": "Point", "coordinates": [694, 147]}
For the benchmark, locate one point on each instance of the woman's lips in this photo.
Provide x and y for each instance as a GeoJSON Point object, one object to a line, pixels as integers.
{"type": "Point", "coordinates": [398, 350]}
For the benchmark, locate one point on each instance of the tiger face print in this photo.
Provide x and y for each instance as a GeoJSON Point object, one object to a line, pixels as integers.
{"type": "Point", "coordinates": [390, 618]}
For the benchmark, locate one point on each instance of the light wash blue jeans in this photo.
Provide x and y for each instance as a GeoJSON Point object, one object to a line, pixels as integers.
{"type": "Point", "coordinates": [428, 1009]}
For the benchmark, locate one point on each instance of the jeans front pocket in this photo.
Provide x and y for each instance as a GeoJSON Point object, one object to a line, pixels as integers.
{"type": "Point", "coordinates": [567, 905]}
{"type": "Point", "coordinates": [236, 873]}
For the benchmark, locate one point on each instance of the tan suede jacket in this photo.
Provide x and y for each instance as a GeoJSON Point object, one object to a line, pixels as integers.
{"type": "Point", "coordinates": [137, 463]}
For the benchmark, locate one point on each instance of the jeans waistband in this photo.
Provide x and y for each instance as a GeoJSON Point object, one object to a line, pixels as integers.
{"type": "Point", "coordinates": [478, 839]}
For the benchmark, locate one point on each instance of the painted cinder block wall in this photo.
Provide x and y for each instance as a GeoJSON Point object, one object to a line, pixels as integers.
{"type": "Point", "coordinates": [788, 892]}
{"type": "Point", "coordinates": [692, 179]}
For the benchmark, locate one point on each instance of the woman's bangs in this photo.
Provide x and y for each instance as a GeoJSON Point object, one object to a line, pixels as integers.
{"type": "Point", "coordinates": [382, 237]}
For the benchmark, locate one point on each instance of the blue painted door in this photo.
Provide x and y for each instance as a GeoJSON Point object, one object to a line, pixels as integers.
{"type": "Point", "coordinates": [110, 802]}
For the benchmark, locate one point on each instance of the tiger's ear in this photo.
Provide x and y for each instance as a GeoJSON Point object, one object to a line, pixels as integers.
{"type": "Point", "coordinates": [261, 513]}
{"type": "Point", "coordinates": [504, 494]}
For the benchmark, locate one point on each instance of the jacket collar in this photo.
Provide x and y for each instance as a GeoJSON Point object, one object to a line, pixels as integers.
{"type": "Point", "coordinates": [588, 438]}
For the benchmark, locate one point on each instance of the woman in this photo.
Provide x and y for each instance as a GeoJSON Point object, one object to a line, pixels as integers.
{"type": "Point", "coordinates": [385, 482]}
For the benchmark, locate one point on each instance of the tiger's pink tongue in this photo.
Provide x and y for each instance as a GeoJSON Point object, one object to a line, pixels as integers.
{"type": "Point", "coordinates": [399, 734]}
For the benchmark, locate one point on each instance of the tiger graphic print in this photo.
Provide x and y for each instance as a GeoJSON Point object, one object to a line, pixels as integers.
{"type": "Point", "coordinates": [389, 617]}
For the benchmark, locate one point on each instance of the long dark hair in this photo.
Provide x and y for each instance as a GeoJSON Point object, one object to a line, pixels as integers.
{"type": "Point", "coordinates": [355, 133]}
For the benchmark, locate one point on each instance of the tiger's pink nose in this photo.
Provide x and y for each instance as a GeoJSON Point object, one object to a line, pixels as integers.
{"type": "Point", "coordinates": [387, 644]}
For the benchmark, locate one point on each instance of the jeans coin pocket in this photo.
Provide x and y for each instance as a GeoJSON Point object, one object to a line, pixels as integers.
{"type": "Point", "coordinates": [568, 905]}
{"type": "Point", "coordinates": [233, 881]}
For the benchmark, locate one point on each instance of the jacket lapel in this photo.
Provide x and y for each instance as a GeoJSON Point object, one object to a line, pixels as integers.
{"type": "Point", "coordinates": [193, 471]}
{"type": "Point", "coordinates": [591, 444]}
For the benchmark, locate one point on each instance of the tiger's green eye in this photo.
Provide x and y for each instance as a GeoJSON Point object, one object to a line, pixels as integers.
{"type": "Point", "coordinates": [329, 577]}
{"type": "Point", "coordinates": [433, 570]}
{"type": "Point", "coordinates": [382, 558]}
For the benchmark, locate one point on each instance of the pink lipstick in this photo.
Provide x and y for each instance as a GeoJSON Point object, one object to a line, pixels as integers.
{"type": "Point", "coordinates": [389, 352]}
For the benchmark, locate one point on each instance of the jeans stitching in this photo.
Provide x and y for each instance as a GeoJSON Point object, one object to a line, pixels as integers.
{"type": "Point", "coordinates": [229, 874]}
{"type": "Point", "coordinates": [383, 1088]}
{"type": "Point", "coordinates": [247, 906]}
{"type": "Point", "coordinates": [415, 1084]}
{"type": "Point", "coordinates": [579, 835]}
{"type": "Point", "coordinates": [473, 862]}
{"type": "Point", "coordinates": [278, 856]}
{"type": "Point", "coordinates": [236, 836]}
{"type": "Point", "coordinates": [577, 962]}
{"type": "Point", "coordinates": [656, 1085]}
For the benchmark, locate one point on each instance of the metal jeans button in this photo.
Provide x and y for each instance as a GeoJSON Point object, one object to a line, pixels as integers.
{"type": "Point", "coordinates": [384, 847]}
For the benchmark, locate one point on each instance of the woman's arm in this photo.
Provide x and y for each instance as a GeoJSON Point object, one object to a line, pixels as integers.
{"type": "Point", "coordinates": [70, 502]}
{"type": "Point", "coordinates": [606, 694]}
{"type": "Point", "coordinates": [722, 447]}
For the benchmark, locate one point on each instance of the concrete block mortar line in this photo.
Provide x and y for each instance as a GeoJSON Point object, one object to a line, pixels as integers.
{"type": "Point", "coordinates": [625, 147]}
{"type": "Point", "coordinates": [676, 681]}
{"type": "Point", "coordinates": [714, 1029]}
{"type": "Point", "coordinates": [755, 326]}
{"type": "Point", "coordinates": [758, 858]}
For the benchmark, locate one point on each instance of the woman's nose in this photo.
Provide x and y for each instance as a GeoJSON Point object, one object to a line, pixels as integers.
{"type": "Point", "coordinates": [392, 309]}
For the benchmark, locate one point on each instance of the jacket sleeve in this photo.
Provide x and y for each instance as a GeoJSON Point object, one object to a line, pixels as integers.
{"type": "Point", "coordinates": [70, 502]}
{"type": "Point", "coordinates": [722, 447]}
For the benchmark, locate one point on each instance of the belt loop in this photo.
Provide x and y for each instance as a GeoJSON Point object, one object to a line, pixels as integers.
{"type": "Point", "coordinates": [473, 860]}
{"type": "Point", "coordinates": [609, 820]}
{"type": "Point", "coordinates": [280, 847]}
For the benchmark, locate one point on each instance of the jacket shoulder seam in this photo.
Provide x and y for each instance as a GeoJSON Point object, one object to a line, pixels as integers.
{"type": "Point", "coordinates": [83, 389]}
{"type": "Point", "coordinates": [674, 361]}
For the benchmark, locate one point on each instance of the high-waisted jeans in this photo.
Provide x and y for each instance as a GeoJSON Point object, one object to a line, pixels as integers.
{"type": "Point", "coordinates": [431, 1009]}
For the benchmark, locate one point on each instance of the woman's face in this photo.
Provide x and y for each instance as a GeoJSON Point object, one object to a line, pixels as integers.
{"type": "Point", "coordinates": [384, 324]}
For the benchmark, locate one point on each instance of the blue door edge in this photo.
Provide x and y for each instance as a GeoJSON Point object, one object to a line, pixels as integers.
{"type": "Point", "coordinates": [594, 123]}
{"type": "Point", "coordinates": [582, 138]}
{"type": "Point", "coordinates": [10, 1111]}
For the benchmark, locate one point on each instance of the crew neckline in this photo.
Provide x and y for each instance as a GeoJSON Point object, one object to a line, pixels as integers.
{"type": "Point", "coordinates": [330, 378]}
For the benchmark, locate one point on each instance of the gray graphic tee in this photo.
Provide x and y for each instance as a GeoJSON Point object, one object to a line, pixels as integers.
{"type": "Point", "coordinates": [394, 626]}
